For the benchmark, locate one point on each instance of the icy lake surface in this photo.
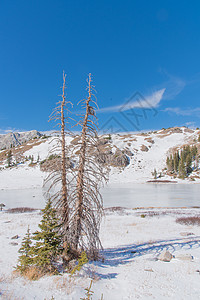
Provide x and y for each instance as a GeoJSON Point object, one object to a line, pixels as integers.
{"type": "Point", "coordinates": [126, 195]}
{"type": "Point", "coordinates": [156, 195]}
{"type": "Point", "coordinates": [20, 198]}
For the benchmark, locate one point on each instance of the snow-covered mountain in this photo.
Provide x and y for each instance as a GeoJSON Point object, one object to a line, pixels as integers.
{"type": "Point", "coordinates": [14, 139]}
{"type": "Point", "coordinates": [131, 157]}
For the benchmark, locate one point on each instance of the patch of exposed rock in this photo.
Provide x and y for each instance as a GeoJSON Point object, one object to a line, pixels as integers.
{"type": "Point", "coordinates": [103, 151]}
{"type": "Point", "coordinates": [117, 159]}
{"type": "Point", "coordinates": [14, 139]}
{"type": "Point", "coordinates": [150, 140]}
{"type": "Point", "coordinates": [188, 130]}
{"type": "Point", "coordinates": [144, 148]}
{"type": "Point", "coordinates": [176, 130]}
{"type": "Point", "coordinates": [127, 152]}
{"type": "Point", "coordinates": [53, 163]}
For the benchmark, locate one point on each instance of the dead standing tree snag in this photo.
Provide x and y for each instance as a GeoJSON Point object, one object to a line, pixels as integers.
{"type": "Point", "coordinates": [88, 206]}
{"type": "Point", "coordinates": [60, 198]}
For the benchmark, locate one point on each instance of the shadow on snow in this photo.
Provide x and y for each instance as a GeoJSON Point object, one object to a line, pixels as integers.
{"type": "Point", "coordinates": [122, 255]}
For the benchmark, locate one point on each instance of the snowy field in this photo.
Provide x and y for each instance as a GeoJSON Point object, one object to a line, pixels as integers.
{"type": "Point", "coordinates": [132, 241]}
{"type": "Point", "coordinates": [129, 269]}
{"type": "Point", "coordinates": [132, 238]}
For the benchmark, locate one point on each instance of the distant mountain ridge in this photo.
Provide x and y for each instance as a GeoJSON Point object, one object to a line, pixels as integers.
{"type": "Point", "coordinates": [14, 139]}
{"type": "Point", "coordinates": [130, 157]}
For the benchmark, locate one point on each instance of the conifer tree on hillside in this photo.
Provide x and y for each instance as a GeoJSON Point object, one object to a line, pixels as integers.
{"type": "Point", "coordinates": [167, 162]}
{"type": "Point", "coordinates": [170, 163]}
{"type": "Point", "coordinates": [181, 169]}
{"type": "Point", "coordinates": [176, 161]}
{"type": "Point", "coordinates": [9, 158]}
{"type": "Point", "coordinates": [182, 164]}
{"type": "Point", "coordinates": [194, 152]}
{"type": "Point", "coordinates": [188, 163]}
{"type": "Point", "coordinates": [155, 174]}
{"type": "Point", "coordinates": [25, 259]}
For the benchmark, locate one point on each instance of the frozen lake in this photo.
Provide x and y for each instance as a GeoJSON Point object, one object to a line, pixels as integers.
{"type": "Point", "coordinates": [127, 195]}
{"type": "Point", "coordinates": [19, 198]}
{"type": "Point", "coordinates": [149, 194]}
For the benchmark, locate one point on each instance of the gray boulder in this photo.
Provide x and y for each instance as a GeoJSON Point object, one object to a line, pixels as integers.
{"type": "Point", "coordinates": [165, 256]}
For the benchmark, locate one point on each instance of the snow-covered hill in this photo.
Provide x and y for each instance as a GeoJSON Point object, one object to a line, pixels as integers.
{"type": "Point", "coordinates": [150, 151]}
{"type": "Point", "coordinates": [145, 152]}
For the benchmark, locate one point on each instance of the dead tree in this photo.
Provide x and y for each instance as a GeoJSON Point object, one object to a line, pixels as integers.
{"type": "Point", "coordinates": [58, 178]}
{"type": "Point", "coordinates": [84, 197]}
{"type": "Point", "coordinates": [78, 197]}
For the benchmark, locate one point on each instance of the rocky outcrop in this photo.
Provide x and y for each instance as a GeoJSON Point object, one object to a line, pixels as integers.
{"type": "Point", "coordinates": [53, 163]}
{"type": "Point", "coordinates": [150, 140]}
{"type": "Point", "coordinates": [144, 148]}
{"type": "Point", "coordinates": [117, 159]}
{"type": "Point", "coordinates": [14, 139]}
{"type": "Point", "coordinates": [127, 152]}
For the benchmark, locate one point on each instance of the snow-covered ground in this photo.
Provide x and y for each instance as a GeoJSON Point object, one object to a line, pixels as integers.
{"type": "Point", "coordinates": [129, 269]}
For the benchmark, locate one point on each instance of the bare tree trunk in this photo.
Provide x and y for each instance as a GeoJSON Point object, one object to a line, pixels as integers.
{"type": "Point", "coordinates": [79, 202]}
{"type": "Point", "coordinates": [60, 198]}
{"type": "Point", "coordinates": [65, 208]}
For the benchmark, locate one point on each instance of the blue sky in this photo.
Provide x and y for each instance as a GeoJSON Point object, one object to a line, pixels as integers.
{"type": "Point", "coordinates": [144, 57]}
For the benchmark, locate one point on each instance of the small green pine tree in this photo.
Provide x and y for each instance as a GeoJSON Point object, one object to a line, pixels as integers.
{"type": "Point", "coordinates": [25, 259]}
{"type": "Point", "coordinates": [9, 158]}
{"type": "Point", "coordinates": [188, 163]}
{"type": "Point", "coordinates": [81, 261]}
{"type": "Point", "coordinates": [155, 174]}
{"type": "Point", "coordinates": [194, 152]}
{"type": "Point", "coordinates": [176, 161]}
{"type": "Point", "coordinates": [48, 240]}
{"type": "Point", "coordinates": [38, 158]}
{"type": "Point", "coordinates": [168, 162]}
{"type": "Point", "coordinates": [181, 169]}
{"type": "Point", "coordinates": [171, 164]}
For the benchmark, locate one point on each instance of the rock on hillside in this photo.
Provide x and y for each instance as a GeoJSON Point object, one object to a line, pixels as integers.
{"type": "Point", "coordinates": [14, 139]}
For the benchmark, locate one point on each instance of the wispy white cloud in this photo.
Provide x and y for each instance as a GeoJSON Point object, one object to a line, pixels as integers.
{"type": "Point", "coordinates": [9, 130]}
{"type": "Point", "coordinates": [174, 85]}
{"type": "Point", "coordinates": [151, 101]}
{"type": "Point", "coordinates": [191, 125]}
{"type": "Point", "coordinates": [184, 111]}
